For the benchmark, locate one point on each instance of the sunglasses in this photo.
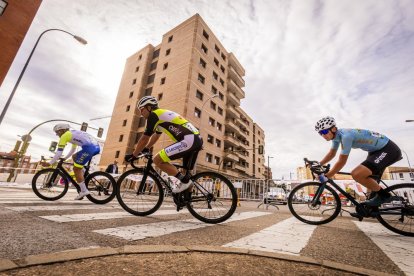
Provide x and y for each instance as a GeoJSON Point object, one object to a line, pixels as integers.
{"type": "Point", "coordinates": [324, 131]}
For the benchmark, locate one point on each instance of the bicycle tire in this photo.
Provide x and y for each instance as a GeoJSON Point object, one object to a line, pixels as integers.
{"type": "Point", "coordinates": [222, 195]}
{"type": "Point", "coordinates": [102, 187]}
{"type": "Point", "coordinates": [144, 203]}
{"type": "Point", "coordinates": [398, 215]}
{"type": "Point", "coordinates": [303, 210]}
{"type": "Point", "coordinates": [49, 189]}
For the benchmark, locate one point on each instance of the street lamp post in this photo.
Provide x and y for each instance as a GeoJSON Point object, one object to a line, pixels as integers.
{"type": "Point", "coordinates": [268, 166]}
{"type": "Point", "coordinates": [78, 38]}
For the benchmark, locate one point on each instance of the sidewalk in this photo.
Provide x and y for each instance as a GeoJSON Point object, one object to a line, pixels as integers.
{"type": "Point", "coordinates": [173, 260]}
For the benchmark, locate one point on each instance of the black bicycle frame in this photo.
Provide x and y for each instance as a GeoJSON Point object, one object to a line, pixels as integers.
{"type": "Point", "coordinates": [60, 168]}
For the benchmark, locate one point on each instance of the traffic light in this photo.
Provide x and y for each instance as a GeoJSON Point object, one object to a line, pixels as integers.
{"type": "Point", "coordinates": [100, 132]}
{"type": "Point", "coordinates": [84, 126]}
{"type": "Point", "coordinates": [53, 146]}
{"type": "Point", "coordinates": [260, 149]}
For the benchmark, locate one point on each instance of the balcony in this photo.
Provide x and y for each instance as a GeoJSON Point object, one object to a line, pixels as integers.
{"type": "Point", "coordinates": [240, 167]}
{"type": "Point", "coordinates": [233, 87]}
{"type": "Point", "coordinates": [232, 99]}
{"type": "Point", "coordinates": [231, 140]}
{"type": "Point", "coordinates": [236, 64]}
{"type": "Point", "coordinates": [231, 156]}
{"type": "Point", "coordinates": [231, 111]}
{"type": "Point", "coordinates": [232, 124]}
{"type": "Point", "coordinates": [233, 75]}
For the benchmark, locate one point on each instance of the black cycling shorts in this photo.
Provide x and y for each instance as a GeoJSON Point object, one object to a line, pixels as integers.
{"type": "Point", "coordinates": [378, 160]}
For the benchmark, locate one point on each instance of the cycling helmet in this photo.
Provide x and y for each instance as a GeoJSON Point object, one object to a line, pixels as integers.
{"type": "Point", "coordinates": [60, 127]}
{"type": "Point", "coordinates": [147, 100]}
{"type": "Point", "coordinates": [325, 123]}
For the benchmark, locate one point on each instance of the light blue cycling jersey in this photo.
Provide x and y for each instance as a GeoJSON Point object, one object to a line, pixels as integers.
{"type": "Point", "coordinates": [358, 139]}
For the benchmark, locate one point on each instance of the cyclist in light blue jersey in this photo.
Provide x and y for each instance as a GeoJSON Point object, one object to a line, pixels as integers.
{"type": "Point", "coordinates": [382, 152]}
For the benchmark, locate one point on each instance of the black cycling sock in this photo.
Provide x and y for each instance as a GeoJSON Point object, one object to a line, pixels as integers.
{"type": "Point", "coordinates": [382, 193]}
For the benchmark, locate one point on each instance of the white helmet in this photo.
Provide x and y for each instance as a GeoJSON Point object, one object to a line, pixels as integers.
{"type": "Point", "coordinates": [147, 100]}
{"type": "Point", "coordinates": [60, 127]}
{"type": "Point", "coordinates": [325, 123]}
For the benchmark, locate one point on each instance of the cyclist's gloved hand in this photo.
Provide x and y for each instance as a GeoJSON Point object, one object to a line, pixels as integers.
{"type": "Point", "coordinates": [322, 178]}
{"type": "Point", "coordinates": [130, 158]}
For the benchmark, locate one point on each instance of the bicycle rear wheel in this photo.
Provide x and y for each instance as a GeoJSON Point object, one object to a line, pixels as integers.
{"type": "Point", "coordinates": [301, 205]}
{"type": "Point", "coordinates": [136, 197]}
{"type": "Point", "coordinates": [398, 215]}
{"type": "Point", "coordinates": [102, 187]}
{"type": "Point", "coordinates": [50, 184]}
{"type": "Point", "coordinates": [213, 199]}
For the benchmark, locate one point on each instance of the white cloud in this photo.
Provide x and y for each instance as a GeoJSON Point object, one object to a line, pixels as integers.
{"type": "Point", "coordinates": [303, 60]}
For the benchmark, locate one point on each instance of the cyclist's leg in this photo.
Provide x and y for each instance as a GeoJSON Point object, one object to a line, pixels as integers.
{"type": "Point", "coordinates": [79, 160]}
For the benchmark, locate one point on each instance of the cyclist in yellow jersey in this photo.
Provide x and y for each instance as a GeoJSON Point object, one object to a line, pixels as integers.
{"type": "Point", "coordinates": [90, 148]}
{"type": "Point", "coordinates": [183, 133]}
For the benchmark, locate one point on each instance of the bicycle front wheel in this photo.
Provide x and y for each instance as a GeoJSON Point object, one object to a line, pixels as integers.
{"type": "Point", "coordinates": [102, 187]}
{"type": "Point", "coordinates": [398, 215]}
{"type": "Point", "coordinates": [303, 206]}
{"type": "Point", "coordinates": [213, 199]}
{"type": "Point", "coordinates": [137, 197]}
{"type": "Point", "coordinates": [50, 184]}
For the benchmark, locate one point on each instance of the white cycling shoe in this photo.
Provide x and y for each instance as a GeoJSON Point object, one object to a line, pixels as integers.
{"type": "Point", "coordinates": [81, 195]}
{"type": "Point", "coordinates": [182, 187]}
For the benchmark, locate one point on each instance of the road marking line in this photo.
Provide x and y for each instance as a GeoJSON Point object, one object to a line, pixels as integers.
{"type": "Point", "coordinates": [289, 236]}
{"type": "Point", "coordinates": [400, 249]}
{"type": "Point", "coordinates": [142, 231]}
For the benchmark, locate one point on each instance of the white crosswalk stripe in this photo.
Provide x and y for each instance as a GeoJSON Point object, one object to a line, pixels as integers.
{"type": "Point", "coordinates": [142, 231]}
{"type": "Point", "coordinates": [288, 236]}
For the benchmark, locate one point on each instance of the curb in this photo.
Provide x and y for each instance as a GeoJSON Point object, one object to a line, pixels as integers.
{"type": "Point", "coordinates": [85, 253]}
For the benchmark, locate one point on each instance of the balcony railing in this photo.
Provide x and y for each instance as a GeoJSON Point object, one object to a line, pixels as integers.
{"type": "Point", "coordinates": [233, 87]}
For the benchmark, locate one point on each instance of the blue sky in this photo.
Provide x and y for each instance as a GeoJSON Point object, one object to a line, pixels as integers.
{"type": "Point", "coordinates": [353, 60]}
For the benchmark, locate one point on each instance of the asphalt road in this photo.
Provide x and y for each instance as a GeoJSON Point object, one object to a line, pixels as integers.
{"type": "Point", "coordinates": [31, 226]}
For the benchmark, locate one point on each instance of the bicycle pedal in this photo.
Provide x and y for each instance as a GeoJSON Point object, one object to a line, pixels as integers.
{"type": "Point", "coordinates": [356, 215]}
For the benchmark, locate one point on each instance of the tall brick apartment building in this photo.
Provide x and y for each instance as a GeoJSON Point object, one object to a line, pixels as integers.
{"type": "Point", "coordinates": [190, 72]}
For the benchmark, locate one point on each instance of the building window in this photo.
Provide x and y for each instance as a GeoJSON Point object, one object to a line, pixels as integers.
{"type": "Point", "coordinates": [162, 81]}
{"type": "Point", "coordinates": [197, 112]}
{"type": "Point", "coordinates": [151, 79]}
{"type": "Point", "coordinates": [401, 175]}
{"type": "Point", "coordinates": [199, 95]}
{"type": "Point", "coordinates": [165, 66]}
{"type": "Point", "coordinates": [215, 76]}
{"type": "Point", "coordinates": [412, 176]}
{"type": "Point", "coordinates": [220, 110]}
{"type": "Point", "coordinates": [222, 69]}
{"type": "Point", "coordinates": [137, 69]}
{"type": "Point", "coordinates": [211, 121]}
{"type": "Point", "coordinates": [218, 143]}
{"type": "Point", "coordinates": [210, 139]}
{"type": "Point", "coordinates": [117, 154]}
{"type": "Point", "coordinates": [124, 123]}
{"type": "Point", "coordinates": [201, 78]}
{"type": "Point", "coordinates": [121, 137]}
{"type": "Point", "coordinates": [160, 96]}
{"type": "Point", "coordinates": [156, 54]}
{"type": "Point", "coordinates": [131, 94]}
{"type": "Point", "coordinates": [223, 56]}
{"type": "Point", "coordinates": [216, 62]}
{"type": "Point", "coordinates": [213, 89]}
{"type": "Point", "coordinates": [204, 48]}
{"type": "Point", "coordinates": [222, 82]}
{"type": "Point", "coordinates": [140, 57]}
{"type": "Point", "coordinates": [209, 157]}
{"type": "Point", "coordinates": [134, 81]}
{"type": "Point", "coordinates": [218, 126]}
{"type": "Point", "coordinates": [203, 63]}
{"type": "Point", "coordinates": [148, 91]}
{"type": "Point", "coordinates": [221, 96]}
{"type": "Point", "coordinates": [217, 48]}
{"type": "Point", "coordinates": [217, 160]}
{"type": "Point", "coordinates": [3, 5]}
{"type": "Point", "coordinates": [205, 34]}
{"type": "Point", "coordinates": [170, 39]}
{"type": "Point", "coordinates": [167, 52]}
{"type": "Point", "coordinates": [213, 105]}
{"type": "Point", "coordinates": [153, 66]}
{"type": "Point", "coordinates": [128, 108]}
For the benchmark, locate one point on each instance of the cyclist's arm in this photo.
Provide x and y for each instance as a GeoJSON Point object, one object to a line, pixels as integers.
{"type": "Point", "coordinates": [142, 143]}
{"type": "Point", "coordinates": [329, 156]}
{"type": "Point", "coordinates": [338, 165]}
{"type": "Point", "coordinates": [64, 139]}
{"type": "Point", "coordinates": [154, 138]}
{"type": "Point", "coordinates": [72, 151]}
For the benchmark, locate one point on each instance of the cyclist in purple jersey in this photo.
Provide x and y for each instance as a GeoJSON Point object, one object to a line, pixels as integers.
{"type": "Point", "coordinates": [382, 152]}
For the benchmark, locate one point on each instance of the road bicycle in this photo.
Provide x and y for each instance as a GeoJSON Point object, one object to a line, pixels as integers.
{"type": "Point", "coordinates": [53, 183]}
{"type": "Point", "coordinates": [212, 198]}
{"type": "Point", "coordinates": [319, 203]}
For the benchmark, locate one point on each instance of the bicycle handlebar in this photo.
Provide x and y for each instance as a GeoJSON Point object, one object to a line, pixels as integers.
{"type": "Point", "coordinates": [316, 167]}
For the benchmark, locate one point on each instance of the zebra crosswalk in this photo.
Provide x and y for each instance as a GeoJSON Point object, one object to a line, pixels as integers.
{"type": "Point", "coordinates": [250, 228]}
